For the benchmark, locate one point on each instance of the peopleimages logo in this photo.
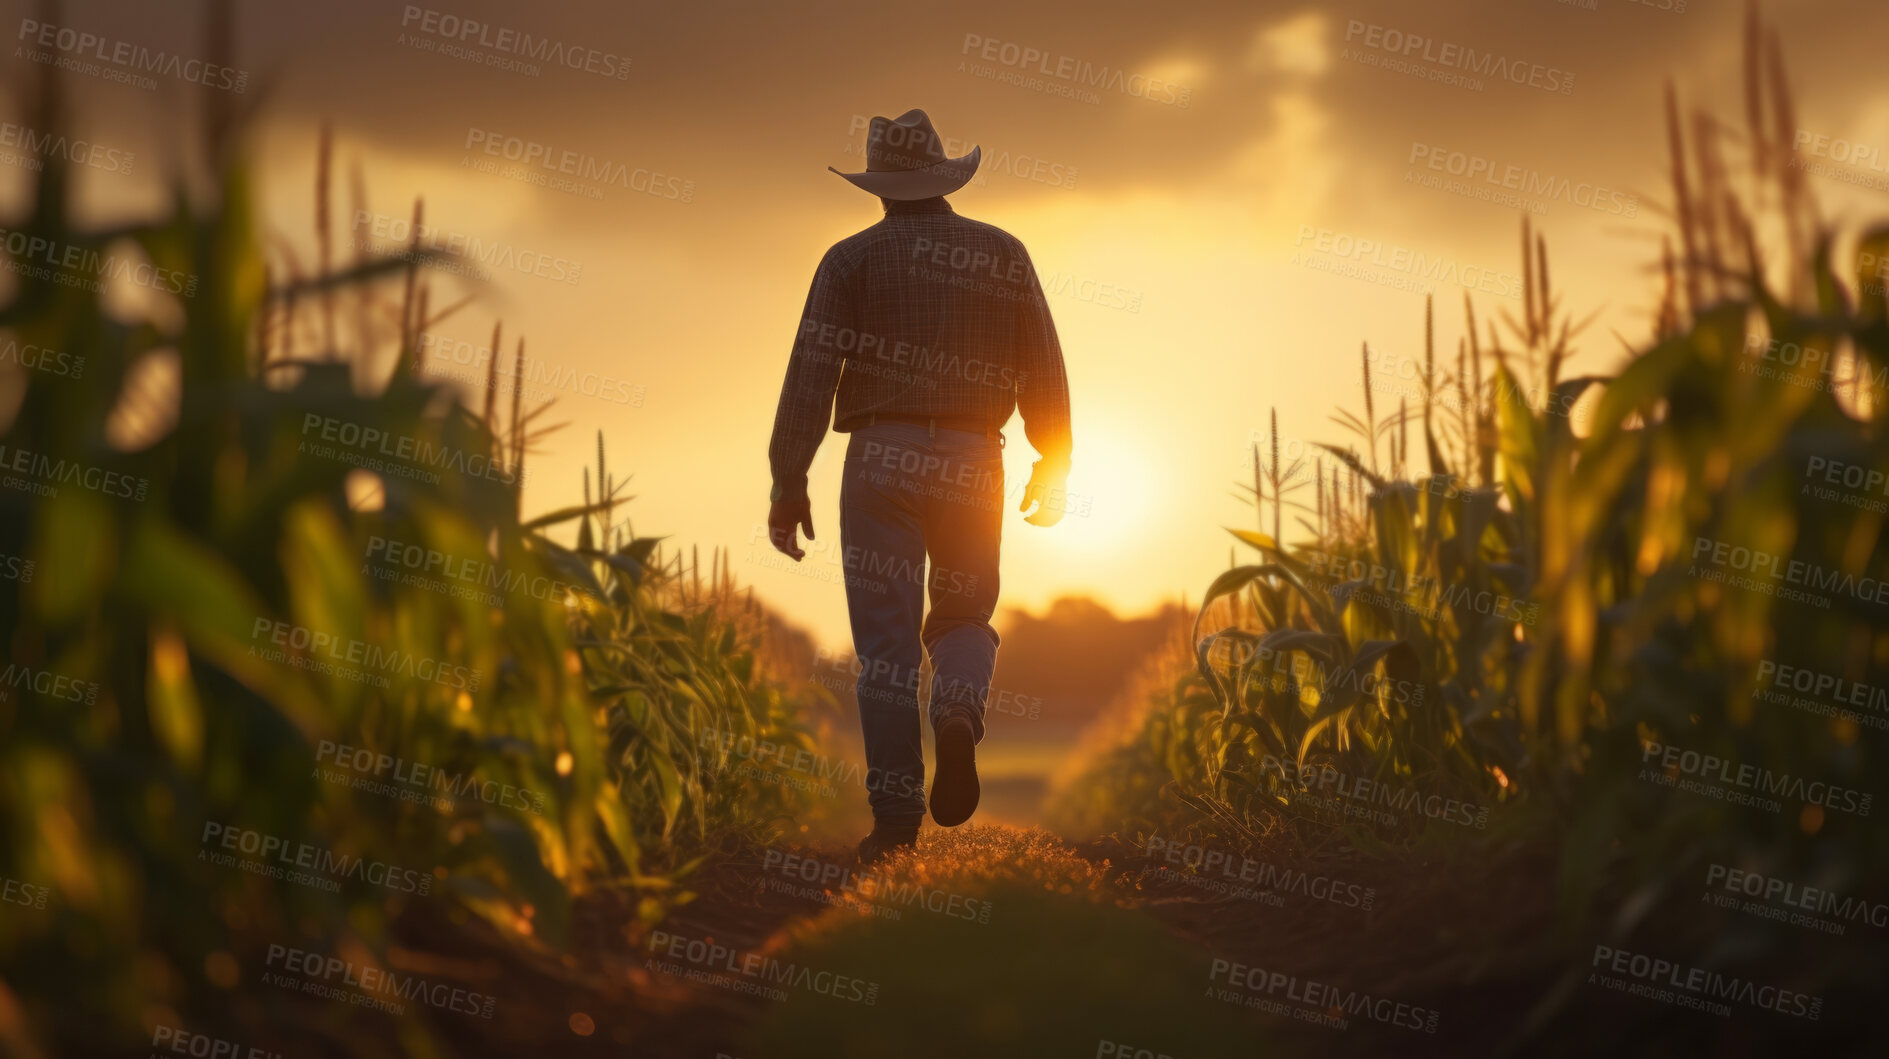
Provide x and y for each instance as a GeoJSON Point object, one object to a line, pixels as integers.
{"type": "Point", "coordinates": [1277, 665]}
{"type": "Point", "coordinates": [1221, 866]}
{"type": "Point", "coordinates": [70, 264]}
{"type": "Point", "coordinates": [1823, 685]}
{"type": "Point", "coordinates": [1702, 771]}
{"type": "Point", "coordinates": [1074, 72]}
{"type": "Point", "coordinates": [1314, 996]}
{"type": "Point", "coordinates": [382, 228]}
{"type": "Point", "coordinates": [1022, 166]}
{"type": "Point", "coordinates": [1694, 987]}
{"type": "Point", "coordinates": [503, 45]}
{"type": "Point", "coordinates": [80, 46]}
{"type": "Point", "coordinates": [17, 568]}
{"type": "Point", "coordinates": [539, 159]}
{"type": "Point", "coordinates": [763, 755]}
{"type": "Point", "coordinates": [319, 651]}
{"type": "Point", "coordinates": [536, 380]}
{"type": "Point", "coordinates": [46, 683]}
{"type": "Point", "coordinates": [411, 457]}
{"type": "Point", "coordinates": [1418, 48]}
{"type": "Point", "coordinates": [39, 358]}
{"type": "Point", "coordinates": [320, 973]}
{"type": "Point", "coordinates": [1850, 484]}
{"type": "Point", "coordinates": [1427, 591]}
{"type": "Point", "coordinates": [304, 863]}
{"type": "Point", "coordinates": [1838, 149]}
{"type": "Point", "coordinates": [755, 972]}
{"type": "Point", "coordinates": [1522, 180]}
{"type": "Point", "coordinates": [467, 576]}
{"type": "Point", "coordinates": [1362, 792]}
{"type": "Point", "coordinates": [79, 152]}
{"type": "Point", "coordinates": [1824, 694]}
{"type": "Point", "coordinates": [1789, 902]}
{"type": "Point", "coordinates": [873, 570]}
{"type": "Point", "coordinates": [25, 894]}
{"type": "Point", "coordinates": [46, 474]}
{"type": "Point", "coordinates": [830, 875]}
{"type": "Point", "coordinates": [1778, 575]}
{"type": "Point", "coordinates": [1416, 264]}
{"type": "Point", "coordinates": [411, 778]}
{"type": "Point", "coordinates": [175, 1040]}
{"type": "Point", "coordinates": [839, 670]}
{"type": "Point", "coordinates": [1768, 357]}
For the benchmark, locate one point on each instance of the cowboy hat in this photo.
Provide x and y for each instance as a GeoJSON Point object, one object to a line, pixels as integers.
{"type": "Point", "coordinates": [905, 159]}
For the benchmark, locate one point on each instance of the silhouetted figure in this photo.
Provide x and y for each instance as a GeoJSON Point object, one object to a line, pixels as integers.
{"type": "Point", "coordinates": [930, 328]}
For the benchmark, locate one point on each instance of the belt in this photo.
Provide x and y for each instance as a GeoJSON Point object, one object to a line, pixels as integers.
{"type": "Point", "coordinates": [971, 424]}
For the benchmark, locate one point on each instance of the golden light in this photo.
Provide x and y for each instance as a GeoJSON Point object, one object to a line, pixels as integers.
{"type": "Point", "coordinates": [1112, 487]}
{"type": "Point", "coordinates": [366, 492]}
{"type": "Point", "coordinates": [222, 970]}
{"type": "Point", "coordinates": [169, 657]}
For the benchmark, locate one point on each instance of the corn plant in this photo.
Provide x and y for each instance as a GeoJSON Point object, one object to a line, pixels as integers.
{"type": "Point", "coordinates": [1612, 632]}
{"type": "Point", "coordinates": [221, 581]}
{"type": "Point", "coordinates": [685, 686]}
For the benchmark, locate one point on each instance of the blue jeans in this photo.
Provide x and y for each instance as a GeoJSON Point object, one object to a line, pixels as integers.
{"type": "Point", "coordinates": [909, 493]}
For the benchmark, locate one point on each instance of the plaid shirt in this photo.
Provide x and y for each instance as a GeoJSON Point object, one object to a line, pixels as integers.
{"type": "Point", "coordinates": [924, 314]}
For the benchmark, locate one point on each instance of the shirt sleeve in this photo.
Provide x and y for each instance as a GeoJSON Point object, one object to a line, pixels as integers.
{"type": "Point", "coordinates": [813, 374]}
{"type": "Point", "coordinates": [1043, 389]}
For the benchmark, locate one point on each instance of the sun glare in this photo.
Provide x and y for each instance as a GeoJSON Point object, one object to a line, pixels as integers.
{"type": "Point", "coordinates": [1111, 486]}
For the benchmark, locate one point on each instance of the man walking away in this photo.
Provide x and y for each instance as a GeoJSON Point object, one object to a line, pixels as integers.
{"type": "Point", "coordinates": [921, 335]}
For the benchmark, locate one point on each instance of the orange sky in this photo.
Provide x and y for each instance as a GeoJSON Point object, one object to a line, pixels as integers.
{"type": "Point", "coordinates": [1221, 228]}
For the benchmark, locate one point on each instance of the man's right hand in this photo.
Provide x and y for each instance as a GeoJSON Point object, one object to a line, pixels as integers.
{"type": "Point", "coordinates": [1047, 492]}
{"type": "Point", "coordinates": [783, 519]}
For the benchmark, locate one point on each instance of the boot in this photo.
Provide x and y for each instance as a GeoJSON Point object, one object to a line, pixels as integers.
{"type": "Point", "coordinates": [886, 838]}
{"type": "Point", "coordinates": [954, 792]}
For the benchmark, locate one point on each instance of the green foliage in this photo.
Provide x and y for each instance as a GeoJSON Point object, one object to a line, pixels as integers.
{"type": "Point", "coordinates": [684, 697]}
{"type": "Point", "coordinates": [249, 592]}
{"type": "Point", "coordinates": [1559, 596]}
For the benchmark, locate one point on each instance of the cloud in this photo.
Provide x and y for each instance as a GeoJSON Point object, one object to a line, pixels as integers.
{"type": "Point", "coordinates": [1299, 44]}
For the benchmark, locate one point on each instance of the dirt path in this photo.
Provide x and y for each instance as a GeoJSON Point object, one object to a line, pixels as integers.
{"type": "Point", "coordinates": [998, 934]}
